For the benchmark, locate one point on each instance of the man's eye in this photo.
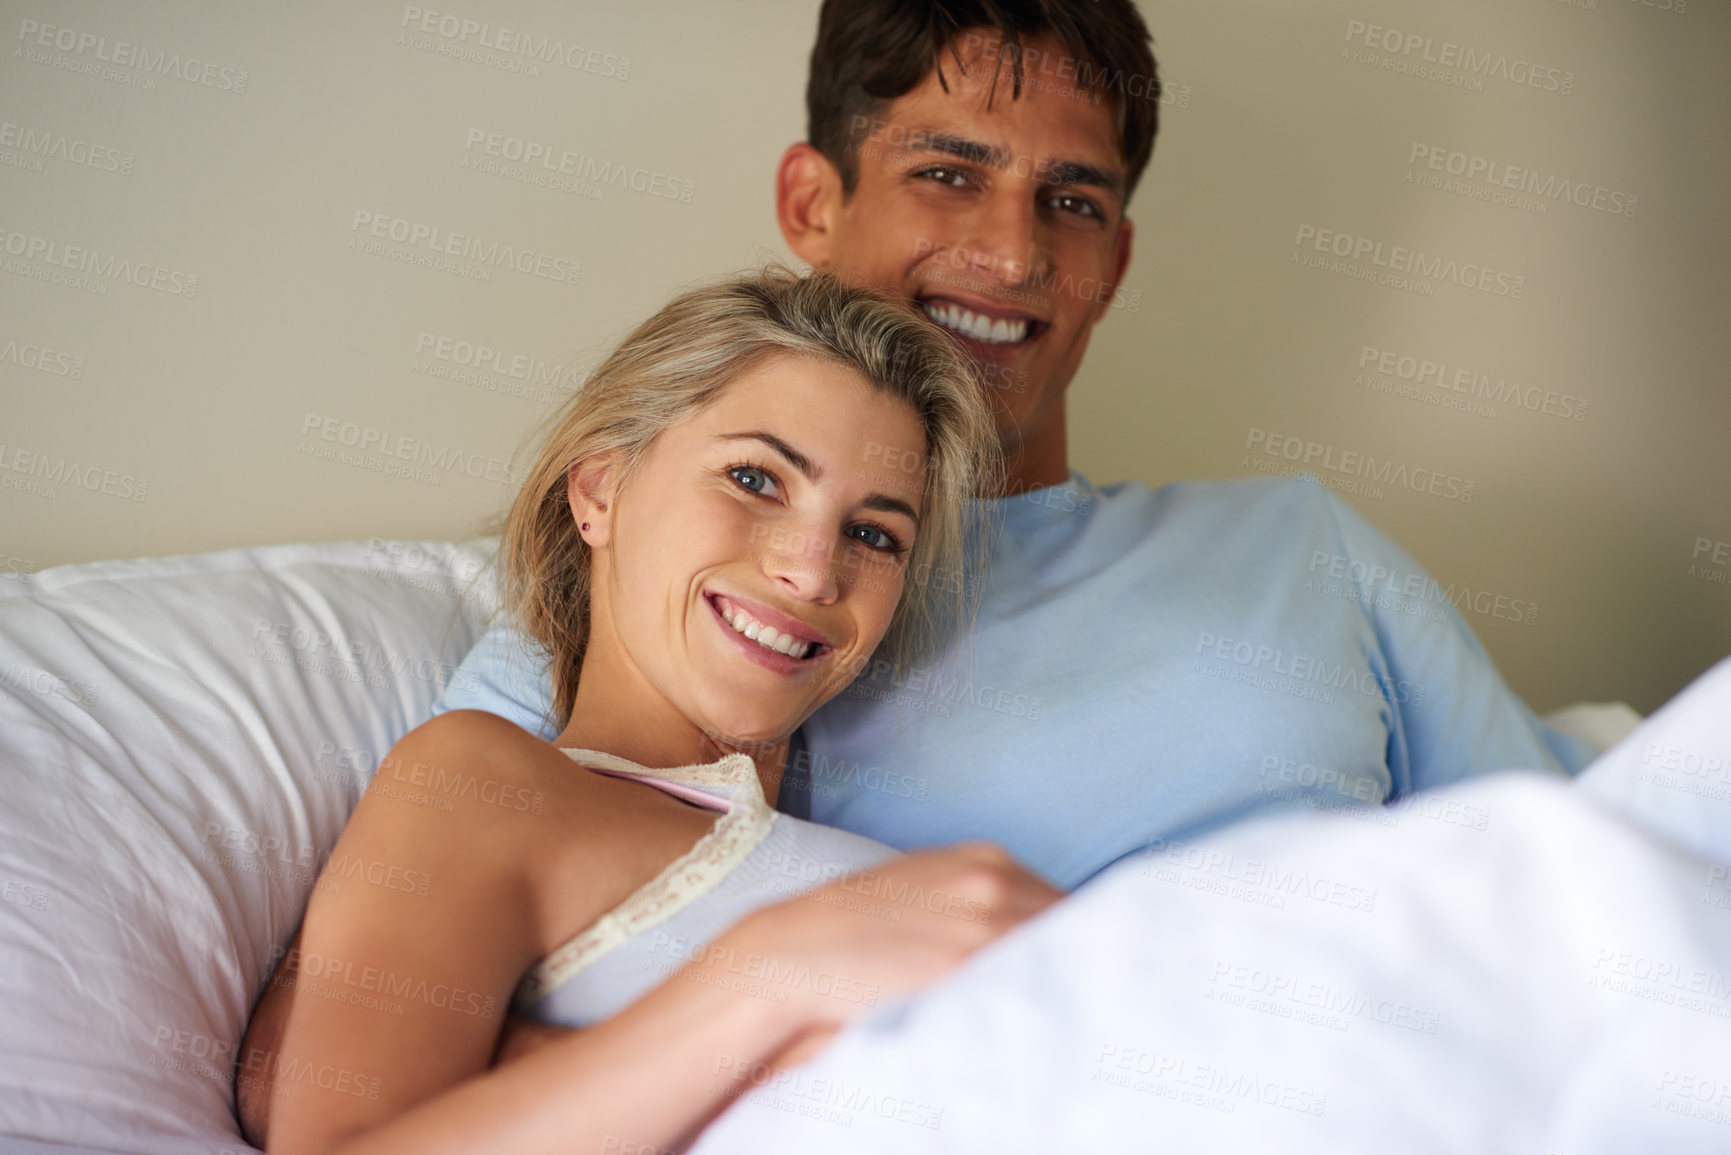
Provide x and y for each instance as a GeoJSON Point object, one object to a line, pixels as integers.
{"type": "Point", "coordinates": [752, 478]}
{"type": "Point", "coordinates": [945, 175]}
{"type": "Point", "coordinates": [1081, 206]}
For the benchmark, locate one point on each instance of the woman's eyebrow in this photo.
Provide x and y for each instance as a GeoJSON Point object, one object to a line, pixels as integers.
{"type": "Point", "coordinates": [794, 457]}
{"type": "Point", "coordinates": [881, 502]}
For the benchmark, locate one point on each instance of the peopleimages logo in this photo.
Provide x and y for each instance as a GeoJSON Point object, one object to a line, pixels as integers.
{"type": "Point", "coordinates": [1305, 668]}
{"type": "Point", "coordinates": [459, 30]}
{"type": "Point", "coordinates": [385, 446]}
{"type": "Point", "coordinates": [537, 377]}
{"type": "Point", "coordinates": [106, 266]}
{"type": "Point", "coordinates": [1311, 455]}
{"type": "Point", "coordinates": [1069, 71]}
{"type": "Point", "coordinates": [1413, 47]}
{"type": "Point", "coordinates": [1422, 371]}
{"type": "Point", "coordinates": [1197, 1084]}
{"type": "Point", "coordinates": [56, 471]}
{"type": "Point", "coordinates": [1488, 171]}
{"type": "Point", "coordinates": [439, 242]}
{"type": "Point", "coordinates": [1417, 586]}
{"type": "Point", "coordinates": [1402, 260]}
{"type": "Point", "coordinates": [41, 359]}
{"type": "Point", "coordinates": [533, 154]}
{"type": "Point", "coordinates": [126, 55]}
{"type": "Point", "coordinates": [58, 146]}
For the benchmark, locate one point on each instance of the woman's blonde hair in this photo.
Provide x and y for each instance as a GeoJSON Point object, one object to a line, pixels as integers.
{"type": "Point", "coordinates": [680, 361]}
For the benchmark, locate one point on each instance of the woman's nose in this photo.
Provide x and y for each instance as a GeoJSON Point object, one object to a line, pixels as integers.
{"type": "Point", "coordinates": [800, 562]}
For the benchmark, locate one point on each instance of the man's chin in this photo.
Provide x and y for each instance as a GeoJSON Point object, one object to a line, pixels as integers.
{"type": "Point", "coordinates": [1009, 377]}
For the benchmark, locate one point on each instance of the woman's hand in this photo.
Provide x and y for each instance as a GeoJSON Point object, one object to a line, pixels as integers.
{"type": "Point", "coordinates": [840, 950]}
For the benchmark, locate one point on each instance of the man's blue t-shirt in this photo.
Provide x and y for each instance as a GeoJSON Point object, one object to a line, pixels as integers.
{"type": "Point", "coordinates": [1145, 666]}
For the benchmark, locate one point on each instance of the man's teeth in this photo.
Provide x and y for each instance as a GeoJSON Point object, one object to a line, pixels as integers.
{"type": "Point", "coordinates": [766, 636]}
{"type": "Point", "coordinates": [980, 328]}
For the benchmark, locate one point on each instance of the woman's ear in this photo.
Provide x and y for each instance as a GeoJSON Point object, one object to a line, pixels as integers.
{"type": "Point", "coordinates": [589, 489]}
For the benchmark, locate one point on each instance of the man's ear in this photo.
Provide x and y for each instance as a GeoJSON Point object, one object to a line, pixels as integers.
{"type": "Point", "coordinates": [808, 203]}
{"type": "Point", "coordinates": [589, 485]}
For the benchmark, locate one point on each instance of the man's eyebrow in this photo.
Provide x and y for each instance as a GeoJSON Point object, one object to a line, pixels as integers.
{"type": "Point", "coordinates": [879, 501]}
{"type": "Point", "coordinates": [974, 152]}
{"type": "Point", "coordinates": [961, 147]}
{"type": "Point", "coordinates": [1075, 172]}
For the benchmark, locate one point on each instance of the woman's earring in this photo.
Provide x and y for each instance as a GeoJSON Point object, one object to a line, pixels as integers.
{"type": "Point", "coordinates": [585, 525]}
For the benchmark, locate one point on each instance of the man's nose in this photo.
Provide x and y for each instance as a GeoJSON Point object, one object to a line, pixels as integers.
{"type": "Point", "coordinates": [1004, 242]}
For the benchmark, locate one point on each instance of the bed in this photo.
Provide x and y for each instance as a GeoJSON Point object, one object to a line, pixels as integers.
{"type": "Point", "coordinates": [182, 739]}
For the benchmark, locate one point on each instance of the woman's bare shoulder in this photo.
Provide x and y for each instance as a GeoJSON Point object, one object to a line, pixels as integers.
{"type": "Point", "coordinates": [472, 795]}
{"type": "Point", "coordinates": [466, 759]}
{"type": "Point", "coordinates": [492, 797]}
{"type": "Point", "coordinates": [476, 731]}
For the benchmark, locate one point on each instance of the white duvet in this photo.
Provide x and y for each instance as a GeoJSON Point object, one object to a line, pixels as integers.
{"type": "Point", "coordinates": [1518, 964]}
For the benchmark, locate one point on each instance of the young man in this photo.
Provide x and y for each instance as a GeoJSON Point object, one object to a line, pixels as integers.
{"type": "Point", "coordinates": [1146, 665]}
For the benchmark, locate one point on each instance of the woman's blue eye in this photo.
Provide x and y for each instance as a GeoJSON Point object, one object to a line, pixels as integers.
{"type": "Point", "coordinates": [750, 477]}
{"type": "Point", "coordinates": [876, 538]}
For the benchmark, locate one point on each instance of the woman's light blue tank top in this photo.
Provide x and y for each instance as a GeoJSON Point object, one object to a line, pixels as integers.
{"type": "Point", "coordinates": [753, 856]}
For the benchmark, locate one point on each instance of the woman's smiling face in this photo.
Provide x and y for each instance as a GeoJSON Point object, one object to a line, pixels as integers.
{"type": "Point", "coordinates": [783, 512]}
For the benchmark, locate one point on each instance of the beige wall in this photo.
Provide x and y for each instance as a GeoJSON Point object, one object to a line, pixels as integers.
{"type": "Point", "coordinates": [186, 408]}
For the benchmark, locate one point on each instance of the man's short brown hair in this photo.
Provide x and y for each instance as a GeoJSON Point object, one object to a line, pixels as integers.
{"type": "Point", "coordinates": [869, 52]}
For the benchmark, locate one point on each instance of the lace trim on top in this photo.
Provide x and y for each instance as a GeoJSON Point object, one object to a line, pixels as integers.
{"type": "Point", "coordinates": [690, 876]}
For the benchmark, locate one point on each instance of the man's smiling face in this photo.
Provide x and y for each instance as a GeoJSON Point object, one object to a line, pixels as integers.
{"type": "Point", "coordinates": [1002, 218]}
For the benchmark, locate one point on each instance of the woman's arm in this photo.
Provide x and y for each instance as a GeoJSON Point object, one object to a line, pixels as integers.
{"type": "Point", "coordinates": [660, 1070]}
{"type": "Point", "coordinates": [647, 1078]}
{"type": "Point", "coordinates": [436, 899]}
{"type": "Point", "coordinates": [427, 916]}
{"type": "Point", "coordinates": [417, 930]}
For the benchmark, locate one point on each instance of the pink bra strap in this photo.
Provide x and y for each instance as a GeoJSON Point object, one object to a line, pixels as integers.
{"type": "Point", "coordinates": [677, 789]}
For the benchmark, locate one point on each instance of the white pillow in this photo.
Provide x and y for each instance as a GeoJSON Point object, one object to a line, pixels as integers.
{"type": "Point", "coordinates": [181, 741]}
{"type": "Point", "coordinates": [1600, 725]}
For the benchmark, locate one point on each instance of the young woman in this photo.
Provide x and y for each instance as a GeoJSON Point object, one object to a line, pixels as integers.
{"type": "Point", "coordinates": [716, 537]}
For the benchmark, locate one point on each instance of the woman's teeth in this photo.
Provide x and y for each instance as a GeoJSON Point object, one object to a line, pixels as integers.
{"type": "Point", "coordinates": [766, 636]}
{"type": "Point", "coordinates": [980, 328]}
